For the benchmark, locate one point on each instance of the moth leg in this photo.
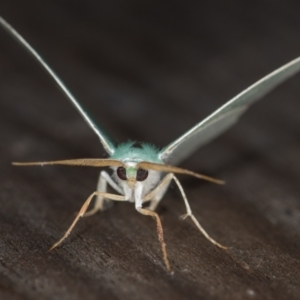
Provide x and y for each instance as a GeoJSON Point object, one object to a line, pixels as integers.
{"type": "Point", "coordinates": [190, 214]}
{"type": "Point", "coordinates": [160, 233]}
{"type": "Point", "coordinates": [83, 210]}
{"type": "Point", "coordinates": [104, 178]}
{"type": "Point", "coordinates": [157, 194]}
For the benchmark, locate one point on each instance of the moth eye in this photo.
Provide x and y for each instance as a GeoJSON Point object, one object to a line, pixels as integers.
{"type": "Point", "coordinates": [121, 172]}
{"type": "Point", "coordinates": [141, 174]}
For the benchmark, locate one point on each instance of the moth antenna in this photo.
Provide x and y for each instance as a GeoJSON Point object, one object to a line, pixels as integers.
{"type": "Point", "coordinates": [172, 169]}
{"type": "Point", "coordinates": [108, 146]}
{"type": "Point", "coordinates": [83, 162]}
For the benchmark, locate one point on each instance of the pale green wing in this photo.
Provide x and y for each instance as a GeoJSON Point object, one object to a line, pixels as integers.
{"type": "Point", "coordinates": [104, 139]}
{"type": "Point", "coordinates": [225, 116]}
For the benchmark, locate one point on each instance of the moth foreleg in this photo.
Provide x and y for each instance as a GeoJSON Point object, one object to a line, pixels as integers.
{"type": "Point", "coordinates": [83, 210]}
{"type": "Point", "coordinates": [157, 194]}
{"type": "Point", "coordinates": [100, 201]}
{"type": "Point", "coordinates": [160, 233]}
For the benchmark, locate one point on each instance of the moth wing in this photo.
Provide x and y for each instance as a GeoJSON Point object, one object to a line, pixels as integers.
{"type": "Point", "coordinates": [104, 139]}
{"type": "Point", "coordinates": [225, 116]}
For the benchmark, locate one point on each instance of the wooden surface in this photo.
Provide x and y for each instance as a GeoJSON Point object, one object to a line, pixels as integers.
{"type": "Point", "coordinates": [148, 71]}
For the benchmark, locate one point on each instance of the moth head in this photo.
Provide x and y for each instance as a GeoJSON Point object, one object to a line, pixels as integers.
{"type": "Point", "coordinates": [131, 174]}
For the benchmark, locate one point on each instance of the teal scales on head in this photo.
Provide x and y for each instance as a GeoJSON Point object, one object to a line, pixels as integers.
{"type": "Point", "coordinates": [141, 173]}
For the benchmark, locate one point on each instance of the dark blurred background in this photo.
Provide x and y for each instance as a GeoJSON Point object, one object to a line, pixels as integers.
{"type": "Point", "coordinates": [148, 71]}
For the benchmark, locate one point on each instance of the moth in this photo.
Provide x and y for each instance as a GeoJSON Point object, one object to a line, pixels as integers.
{"type": "Point", "coordinates": [142, 173]}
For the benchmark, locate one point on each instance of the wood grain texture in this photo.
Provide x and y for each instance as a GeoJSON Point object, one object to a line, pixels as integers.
{"type": "Point", "coordinates": [148, 71]}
